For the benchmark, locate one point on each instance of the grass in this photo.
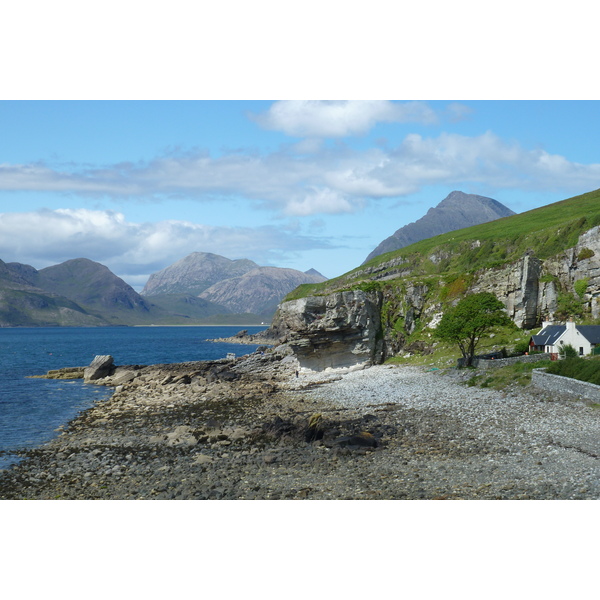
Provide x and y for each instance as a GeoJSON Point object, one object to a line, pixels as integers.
{"type": "Point", "coordinates": [500, 378]}
{"type": "Point", "coordinates": [546, 231]}
{"type": "Point", "coordinates": [445, 355]}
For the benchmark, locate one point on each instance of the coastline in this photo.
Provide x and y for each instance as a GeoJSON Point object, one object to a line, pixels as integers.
{"type": "Point", "coordinates": [248, 428]}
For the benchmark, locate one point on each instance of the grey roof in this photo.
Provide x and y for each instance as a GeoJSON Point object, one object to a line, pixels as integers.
{"type": "Point", "coordinates": [590, 332]}
{"type": "Point", "coordinates": [550, 334]}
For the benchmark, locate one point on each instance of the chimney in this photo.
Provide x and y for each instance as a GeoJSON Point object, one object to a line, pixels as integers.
{"type": "Point", "coordinates": [546, 324]}
{"type": "Point", "coordinates": [570, 324]}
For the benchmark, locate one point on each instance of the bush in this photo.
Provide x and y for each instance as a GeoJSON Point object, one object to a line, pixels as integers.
{"type": "Point", "coordinates": [521, 347]}
{"type": "Point", "coordinates": [580, 286]}
{"type": "Point", "coordinates": [577, 368]}
{"type": "Point", "coordinates": [567, 352]}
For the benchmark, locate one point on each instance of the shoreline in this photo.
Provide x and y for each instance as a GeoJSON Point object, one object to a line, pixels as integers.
{"type": "Point", "coordinates": [248, 428]}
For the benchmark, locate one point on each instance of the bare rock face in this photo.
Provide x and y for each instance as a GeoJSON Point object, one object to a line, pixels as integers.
{"type": "Point", "coordinates": [101, 366]}
{"type": "Point", "coordinates": [530, 288]}
{"type": "Point", "coordinates": [337, 331]}
{"type": "Point", "coordinates": [517, 286]}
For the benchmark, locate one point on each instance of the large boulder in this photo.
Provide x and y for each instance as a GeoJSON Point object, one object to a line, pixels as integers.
{"type": "Point", "coordinates": [101, 366]}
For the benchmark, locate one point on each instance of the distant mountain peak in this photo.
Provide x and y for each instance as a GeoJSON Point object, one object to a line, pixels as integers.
{"type": "Point", "coordinates": [456, 211]}
{"type": "Point", "coordinates": [195, 273]}
{"type": "Point", "coordinates": [315, 273]}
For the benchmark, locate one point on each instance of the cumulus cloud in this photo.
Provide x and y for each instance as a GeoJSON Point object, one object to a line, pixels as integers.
{"type": "Point", "coordinates": [327, 180]}
{"type": "Point", "coordinates": [135, 250]}
{"type": "Point", "coordinates": [334, 119]}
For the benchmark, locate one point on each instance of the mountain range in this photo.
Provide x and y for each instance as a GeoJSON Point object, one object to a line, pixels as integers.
{"type": "Point", "coordinates": [201, 288]}
{"type": "Point", "coordinates": [457, 211]}
{"type": "Point", "coordinates": [81, 292]}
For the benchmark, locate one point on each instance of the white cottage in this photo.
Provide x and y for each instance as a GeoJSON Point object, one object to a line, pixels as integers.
{"type": "Point", "coordinates": [584, 338]}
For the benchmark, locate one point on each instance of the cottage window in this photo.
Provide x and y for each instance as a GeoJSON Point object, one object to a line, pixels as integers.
{"type": "Point", "coordinates": [580, 351]}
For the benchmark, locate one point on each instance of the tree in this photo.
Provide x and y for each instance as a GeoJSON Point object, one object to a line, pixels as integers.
{"type": "Point", "coordinates": [466, 323]}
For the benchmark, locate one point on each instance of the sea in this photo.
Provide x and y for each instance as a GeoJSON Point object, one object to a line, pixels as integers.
{"type": "Point", "coordinates": [32, 411]}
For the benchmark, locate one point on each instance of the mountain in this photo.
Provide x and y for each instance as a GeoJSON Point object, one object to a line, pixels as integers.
{"type": "Point", "coordinates": [457, 211]}
{"type": "Point", "coordinates": [195, 273]}
{"type": "Point", "coordinates": [259, 291]}
{"type": "Point", "coordinates": [315, 273]}
{"type": "Point", "coordinates": [188, 306]}
{"type": "Point", "coordinates": [81, 292]}
{"type": "Point", "coordinates": [23, 304]}
{"type": "Point", "coordinates": [233, 286]}
{"type": "Point", "coordinates": [78, 292]}
{"type": "Point", "coordinates": [92, 285]}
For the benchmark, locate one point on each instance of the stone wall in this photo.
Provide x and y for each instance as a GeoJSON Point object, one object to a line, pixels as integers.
{"type": "Point", "coordinates": [557, 384]}
{"type": "Point", "coordinates": [482, 363]}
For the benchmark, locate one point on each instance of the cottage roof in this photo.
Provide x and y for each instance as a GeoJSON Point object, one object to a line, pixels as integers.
{"type": "Point", "coordinates": [549, 335]}
{"type": "Point", "coordinates": [590, 332]}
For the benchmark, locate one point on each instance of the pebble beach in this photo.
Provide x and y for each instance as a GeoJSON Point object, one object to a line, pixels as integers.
{"type": "Point", "coordinates": [260, 428]}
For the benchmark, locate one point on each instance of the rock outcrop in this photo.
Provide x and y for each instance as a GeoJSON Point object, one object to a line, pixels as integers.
{"type": "Point", "coordinates": [342, 330]}
{"type": "Point", "coordinates": [356, 328]}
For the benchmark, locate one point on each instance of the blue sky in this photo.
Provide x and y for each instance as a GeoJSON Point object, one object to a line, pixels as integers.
{"type": "Point", "coordinates": [137, 185]}
{"type": "Point", "coordinates": [136, 140]}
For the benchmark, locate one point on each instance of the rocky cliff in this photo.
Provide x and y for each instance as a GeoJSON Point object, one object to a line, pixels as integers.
{"type": "Point", "coordinates": [556, 277]}
{"type": "Point", "coordinates": [337, 331]}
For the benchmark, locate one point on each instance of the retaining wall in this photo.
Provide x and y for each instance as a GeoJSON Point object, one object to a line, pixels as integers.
{"type": "Point", "coordinates": [564, 385]}
{"type": "Point", "coordinates": [482, 363]}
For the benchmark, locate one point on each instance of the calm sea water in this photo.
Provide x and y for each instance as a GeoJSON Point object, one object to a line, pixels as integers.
{"type": "Point", "coordinates": [32, 409]}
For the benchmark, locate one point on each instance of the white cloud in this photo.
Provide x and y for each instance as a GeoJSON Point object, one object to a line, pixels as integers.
{"type": "Point", "coordinates": [332, 118]}
{"type": "Point", "coordinates": [135, 250]}
{"type": "Point", "coordinates": [328, 180]}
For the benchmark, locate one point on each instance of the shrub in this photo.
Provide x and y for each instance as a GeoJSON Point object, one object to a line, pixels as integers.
{"type": "Point", "coordinates": [567, 352]}
{"type": "Point", "coordinates": [577, 368]}
{"type": "Point", "coordinates": [580, 286]}
{"type": "Point", "coordinates": [521, 347]}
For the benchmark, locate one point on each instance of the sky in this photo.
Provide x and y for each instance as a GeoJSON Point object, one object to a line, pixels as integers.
{"type": "Point", "coordinates": [298, 139]}
{"type": "Point", "coordinates": [139, 184]}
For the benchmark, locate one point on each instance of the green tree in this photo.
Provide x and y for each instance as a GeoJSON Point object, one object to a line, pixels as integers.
{"type": "Point", "coordinates": [467, 322]}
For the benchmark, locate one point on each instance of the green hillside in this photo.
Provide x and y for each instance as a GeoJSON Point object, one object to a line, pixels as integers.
{"type": "Point", "coordinates": [544, 231]}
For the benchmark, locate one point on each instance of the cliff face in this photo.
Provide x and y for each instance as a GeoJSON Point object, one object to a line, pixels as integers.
{"type": "Point", "coordinates": [356, 328]}
{"type": "Point", "coordinates": [340, 330]}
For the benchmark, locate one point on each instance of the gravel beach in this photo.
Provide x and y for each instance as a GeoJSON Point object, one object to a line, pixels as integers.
{"type": "Point", "coordinates": [253, 429]}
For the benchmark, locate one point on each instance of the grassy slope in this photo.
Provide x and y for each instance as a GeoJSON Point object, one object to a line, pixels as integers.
{"type": "Point", "coordinates": [546, 231]}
